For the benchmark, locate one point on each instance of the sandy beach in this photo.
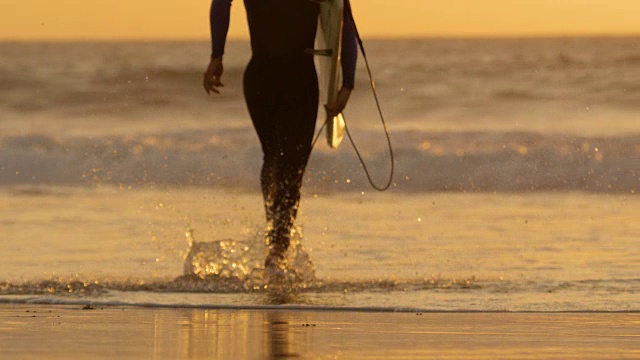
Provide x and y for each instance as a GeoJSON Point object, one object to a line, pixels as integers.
{"type": "Point", "coordinates": [71, 332]}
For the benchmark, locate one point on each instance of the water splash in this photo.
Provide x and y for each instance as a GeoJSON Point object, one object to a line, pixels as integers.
{"type": "Point", "coordinates": [211, 284]}
{"type": "Point", "coordinates": [242, 262]}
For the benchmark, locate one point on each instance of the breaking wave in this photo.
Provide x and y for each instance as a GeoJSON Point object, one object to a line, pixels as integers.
{"type": "Point", "coordinates": [483, 161]}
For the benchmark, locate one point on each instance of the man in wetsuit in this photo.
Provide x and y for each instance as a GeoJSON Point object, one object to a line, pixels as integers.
{"type": "Point", "coordinates": [281, 91]}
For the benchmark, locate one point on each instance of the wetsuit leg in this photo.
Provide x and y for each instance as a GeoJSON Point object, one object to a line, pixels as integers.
{"type": "Point", "coordinates": [283, 103]}
{"type": "Point", "coordinates": [262, 105]}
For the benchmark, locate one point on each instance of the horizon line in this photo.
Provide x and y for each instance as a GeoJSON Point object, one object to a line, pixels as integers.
{"type": "Point", "coordinates": [373, 37]}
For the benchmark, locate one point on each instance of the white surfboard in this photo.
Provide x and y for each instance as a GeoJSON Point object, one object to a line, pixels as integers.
{"type": "Point", "coordinates": [328, 46]}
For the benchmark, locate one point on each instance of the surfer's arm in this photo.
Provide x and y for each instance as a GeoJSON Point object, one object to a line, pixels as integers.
{"type": "Point", "coordinates": [349, 58]}
{"type": "Point", "coordinates": [219, 16]}
{"type": "Point", "coordinates": [349, 48]}
{"type": "Point", "coordinates": [219, 21]}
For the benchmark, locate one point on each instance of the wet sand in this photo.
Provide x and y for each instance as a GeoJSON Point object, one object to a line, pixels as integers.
{"type": "Point", "coordinates": [71, 332]}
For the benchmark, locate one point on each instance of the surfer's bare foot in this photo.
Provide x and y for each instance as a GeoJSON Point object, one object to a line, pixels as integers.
{"type": "Point", "coordinates": [275, 267]}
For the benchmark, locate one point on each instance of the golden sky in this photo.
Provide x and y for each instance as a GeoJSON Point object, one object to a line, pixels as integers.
{"type": "Point", "coordinates": [180, 19]}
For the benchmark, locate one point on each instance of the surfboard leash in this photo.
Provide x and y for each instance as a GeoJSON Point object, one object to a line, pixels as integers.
{"type": "Point", "coordinates": [382, 120]}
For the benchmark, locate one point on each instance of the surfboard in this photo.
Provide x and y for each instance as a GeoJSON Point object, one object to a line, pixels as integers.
{"type": "Point", "coordinates": [328, 47]}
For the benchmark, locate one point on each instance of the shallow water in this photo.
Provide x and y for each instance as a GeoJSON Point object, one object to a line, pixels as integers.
{"type": "Point", "coordinates": [445, 251]}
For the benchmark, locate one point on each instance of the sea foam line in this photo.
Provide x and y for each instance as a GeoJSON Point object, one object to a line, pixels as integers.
{"type": "Point", "coordinates": [91, 305]}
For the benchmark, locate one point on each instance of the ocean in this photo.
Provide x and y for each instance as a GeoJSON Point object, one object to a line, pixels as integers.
{"type": "Point", "coordinates": [515, 185]}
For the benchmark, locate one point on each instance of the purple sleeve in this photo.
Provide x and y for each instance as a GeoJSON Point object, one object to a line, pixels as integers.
{"type": "Point", "coordinates": [219, 22]}
{"type": "Point", "coordinates": [349, 48]}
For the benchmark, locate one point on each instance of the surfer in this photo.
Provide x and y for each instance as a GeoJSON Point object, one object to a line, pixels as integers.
{"type": "Point", "coordinates": [281, 92]}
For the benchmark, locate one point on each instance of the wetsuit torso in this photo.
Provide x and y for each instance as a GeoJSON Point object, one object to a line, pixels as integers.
{"type": "Point", "coordinates": [275, 20]}
{"type": "Point", "coordinates": [281, 29]}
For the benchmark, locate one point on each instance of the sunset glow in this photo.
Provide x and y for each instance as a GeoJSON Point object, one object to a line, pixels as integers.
{"type": "Point", "coordinates": [174, 19]}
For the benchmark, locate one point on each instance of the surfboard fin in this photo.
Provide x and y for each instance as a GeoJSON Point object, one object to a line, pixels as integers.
{"type": "Point", "coordinates": [335, 130]}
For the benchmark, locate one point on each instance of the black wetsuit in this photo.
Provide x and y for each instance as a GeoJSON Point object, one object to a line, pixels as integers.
{"type": "Point", "coordinates": [281, 91]}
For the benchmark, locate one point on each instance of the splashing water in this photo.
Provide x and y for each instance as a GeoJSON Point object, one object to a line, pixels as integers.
{"type": "Point", "coordinates": [242, 262]}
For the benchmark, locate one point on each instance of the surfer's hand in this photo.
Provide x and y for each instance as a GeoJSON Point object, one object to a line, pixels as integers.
{"type": "Point", "coordinates": [212, 76]}
{"type": "Point", "coordinates": [338, 106]}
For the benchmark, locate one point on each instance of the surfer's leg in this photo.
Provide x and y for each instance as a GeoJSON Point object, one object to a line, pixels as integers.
{"type": "Point", "coordinates": [283, 111]}
{"type": "Point", "coordinates": [296, 125]}
{"type": "Point", "coordinates": [262, 104]}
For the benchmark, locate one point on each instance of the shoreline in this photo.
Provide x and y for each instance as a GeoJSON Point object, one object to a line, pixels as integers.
{"type": "Point", "coordinates": [293, 307]}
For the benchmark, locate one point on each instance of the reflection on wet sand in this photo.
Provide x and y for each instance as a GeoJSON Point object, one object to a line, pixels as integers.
{"type": "Point", "coordinates": [281, 342]}
{"type": "Point", "coordinates": [284, 334]}
{"type": "Point", "coordinates": [29, 331]}
{"type": "Point", "coordinates": [227, 334]}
